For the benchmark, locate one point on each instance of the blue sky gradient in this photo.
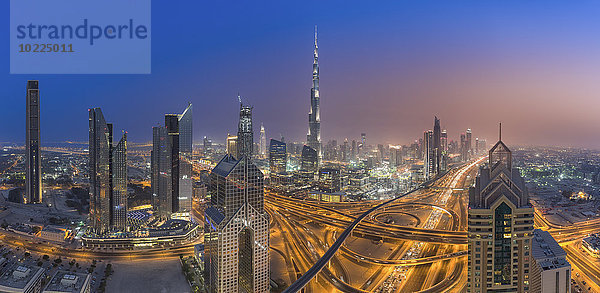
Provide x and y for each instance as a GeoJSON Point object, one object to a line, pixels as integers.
{"type": "Point", "coordinates": [386, 69]}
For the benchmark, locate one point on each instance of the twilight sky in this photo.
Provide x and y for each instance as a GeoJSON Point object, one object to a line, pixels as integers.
{"type": "Point", "coordinates": [386, 69]}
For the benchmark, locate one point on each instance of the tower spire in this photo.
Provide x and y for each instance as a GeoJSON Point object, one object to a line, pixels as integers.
{"type": "Point", "coordinates": [500, 132]}
{"type": "Point", "coordinates": [314, 116]}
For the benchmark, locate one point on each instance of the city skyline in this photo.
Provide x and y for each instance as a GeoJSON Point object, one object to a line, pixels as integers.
{"type": "Point", "coordinates": [386, 169]}
{"type": "Point", "coordinates": [398, 64]}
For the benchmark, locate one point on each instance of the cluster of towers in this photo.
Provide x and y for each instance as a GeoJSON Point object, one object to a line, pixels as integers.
{"type": "Point", "coordinates": [235, 216]}
{"type": "Point", "coordinates": [171, 166]}
{"type": "Point", "coordinates": [435, 145]}
{"type": "Point", "coordinates": [108, 176]}
{"type": "Point", "coordinates": [171, 171]}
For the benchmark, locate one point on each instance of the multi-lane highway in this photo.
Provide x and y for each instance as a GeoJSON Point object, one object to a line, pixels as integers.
{"type": "Point", "coordinates": [315, 235]}
{"type": "Point", "coordinates": [426, 249]}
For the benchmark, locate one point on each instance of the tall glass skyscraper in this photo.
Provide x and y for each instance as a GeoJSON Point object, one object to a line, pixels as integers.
{"type": "Point", "coordinates": [33, 175]}
{"type": "Point", "coordinates": [434, 159]}
{"type": "Point", "coordinates": [108, 176]}
{"type": "Point", "coordinates": [161, 172]}
{"type": "Point", "coordinates": [171, 165]}
{"type": "Point", "coordinates": [500, 227]}
{"type": "Point", "coordinates": [119, 181]}
{"type": "Point", "coordinates": [236, 239]}
{"type": "Point", "coordinates": [314, 116]}
{"type": "Point", "coordinates": [309, 160]}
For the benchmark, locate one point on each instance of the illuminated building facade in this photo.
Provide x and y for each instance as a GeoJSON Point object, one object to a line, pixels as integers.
{"type": "Point", "coordinates": [207, 145]}
{"type": "Point", "coordinates": [330, 180]}
{"type": "Point", "coordinates": [500, 227]}
{"type": "Point", "coordinates": [236, 241]}
{"type": "Point", "coordinates": [262, 148]}
{"type": "Point", "coordinates": [245, 136]}
{"type": "Point", "coordinates": [314, 116]}
{"type": "Point", "coordinates": [108, 176]}
{"type": "Point", "coordinates": [429, 169]}
{"type": "Point", "coordinates": [172, 185]}
{"type": "Point", "coordinates": [231, 145]}
{"type": "Point", "coordinates": [33, 158]}
{"type": "Point", "coordinates": [434, 143]}
{"type": "Point", "coordinates": [277, 156]}
{"type": "Point", "coordinates": [469, 144]}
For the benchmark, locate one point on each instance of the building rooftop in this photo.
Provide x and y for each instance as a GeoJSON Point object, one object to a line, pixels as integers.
{"type": "Point", "coordinates": [546, 251]}
{"type": "Point", "coordinates": [214, 214]}
{"type": "Point", "coordinates": [18, 275]}
{"type": "Point", "coordinates": [53, 229]}
{"type": "Point", "coordinates": [65, 281]}
{"type": "Point", "coordinates": [225, 166]}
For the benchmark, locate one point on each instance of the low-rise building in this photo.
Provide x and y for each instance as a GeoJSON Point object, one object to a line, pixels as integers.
{"type": "Point", "coordinates": [20, 278]}
{"type": "Point", "coordinates": [53, 234]}
{"type": "Point", "coordinates": [65, 281]}
{"type": "Point", "coordinates": [170, 233]}
{"type": "Point", "coordinates": [550, 270]}
{"type": "Point", "coordinates": [592, 245]}
{"type": "Point", "coordinates": [327, 197]}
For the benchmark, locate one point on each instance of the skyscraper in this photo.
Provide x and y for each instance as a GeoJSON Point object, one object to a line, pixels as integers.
{"type": "Point", "coordinates": [469, 144]}
{"type": "Point", "coordinates": [207, 146]}
{"type": "Point", "coordinates": [444, 140]}
{"type": "Point", "coordinates": [500, 227]}
{"type": "Point", "coordinates": [314, 116]}
{"type": "Point", "coordinates": [464, 151]}
{"type": "Point", "coordinates": [429, 156]}
{"type": "Point", "coordinates": [161, 172]}
{"type": "Point", "coordinates": [108, 176]}
{"type": "Point", "coordinates": [437, 145]}
{"type": "Point", "coordinates": [309, 159]}
{"type": "Point", "coordinates": [277, 156]}
{"type": "Point", "coordinates": [263, 142]}
{"type": "Point", "coordinates": [434, 161]}
{"type": "Point", "coordinates": [231, 145]}
{"type": "Point", "coordinates": [119, 181]}
{"type": "Point", "coordinates": [236, 249]}
{"type": "Point", "coordinates": [33, 160]}
{"type": "Point", "coordinates": [245, 137]}
{"type": "Point", "coordinates": [444, 151]}
{"type": "Point", "coordinates": [395, 156]}
{"type": "Point", "coordinates": [172, 167]}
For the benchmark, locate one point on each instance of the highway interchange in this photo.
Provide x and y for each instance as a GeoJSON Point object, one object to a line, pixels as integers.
{"type": "Point", "coordinates": [426, 248]}
{"type": "Point", "coordinates": [414, 243]}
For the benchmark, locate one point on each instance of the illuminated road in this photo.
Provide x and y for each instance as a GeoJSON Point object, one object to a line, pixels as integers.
{"type": "Point", "coordinates": [427, 256]}
{"type": "Point", "coordinates": [436, 240]}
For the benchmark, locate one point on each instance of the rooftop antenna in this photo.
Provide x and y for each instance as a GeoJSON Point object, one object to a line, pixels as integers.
{"type": "Point", "coordinates": [239, 98]}
{"type": "Point", "coordinates": [500, 132]}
